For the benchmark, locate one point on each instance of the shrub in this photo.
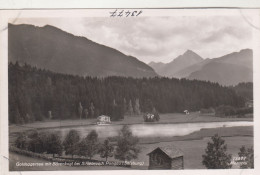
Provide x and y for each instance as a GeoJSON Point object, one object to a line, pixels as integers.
{"type": "Point", "coordinates": [37, 141]}
{"type": "Point", "coordinates": [151, 117]}
{"type": "Point", "coordinates": [127, 148]}
{"type": "Point", "coordinates": [106, 150]}
{"type": "Point", "coordinates": [207, 111]}
{"type": "Point", "coordinates": [243, 111]}
{"type": "Point", "coordinates": [249, 157]}
{"type": "Point", "coordinates": [21, 141]}
{"type": "Point", "coordinates": [53, 144]}
{"type": "Point", "coordinates": [216, 156]}
{"type": "Point", "coordinates": [71, 142]}
{"type": "Point", "coordinates": [89, 145]}
{"type": "Point", "coordinates": [231, 111]}
{"type": "Point", "coordinates": [225, 111]}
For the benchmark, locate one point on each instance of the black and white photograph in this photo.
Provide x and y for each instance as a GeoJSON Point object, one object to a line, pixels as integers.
{"type": "Point", "coordinates": [131, 89]}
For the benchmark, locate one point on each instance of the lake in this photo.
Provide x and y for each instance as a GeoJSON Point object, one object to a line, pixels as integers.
{"type": "Point", "coordinates": [151, 129]}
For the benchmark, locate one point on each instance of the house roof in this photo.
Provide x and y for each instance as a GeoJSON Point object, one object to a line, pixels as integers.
{"type": "Point", "coordinates": [149, 114]}
{"type": "Point", "coordinates": [170, 151]}
{"type": "Point", "coordinates": [102, 116]}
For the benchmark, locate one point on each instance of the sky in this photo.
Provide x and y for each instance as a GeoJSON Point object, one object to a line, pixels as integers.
{"type": "Point", "coordinates": [159, 39]}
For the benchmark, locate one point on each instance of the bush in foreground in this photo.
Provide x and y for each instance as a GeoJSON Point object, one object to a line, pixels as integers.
{"type": "Point", "coordinates": [216, 156]}
{"type": "Point", "coordinates": [127, 148]}
{"type": "Point", "coordinates": [248, 154]}
{"type": "Point", "coordinates": [106, 150]}
{"type": "Point", "coordinates": [20, 142]}
{"type": "Point", "coordinates": [71, 142]}
{"type": "Point", "coordinates": [89, 145]}
{"type": "Point", "coordinates": [54, 144]}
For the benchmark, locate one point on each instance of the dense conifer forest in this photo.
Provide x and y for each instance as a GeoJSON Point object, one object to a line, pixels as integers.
{"type": "Point", "coordinates": [37, 94]}
{"type": "Point", "coordinates": [245, 90]}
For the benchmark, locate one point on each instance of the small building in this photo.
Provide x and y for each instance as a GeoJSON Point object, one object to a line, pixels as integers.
{"type": "Point", "coordinates": [151, 117]}
{"type": "Point", "coordinates": [249, 104]}
{"type": "Point", "coordinates": [186, 112]}
{"type": "Point", "coordinates": [168, 157]}
{"type": "Point", "coordinates": [148, 117]}
{"type": "Point", "coordinates": [103, 120]}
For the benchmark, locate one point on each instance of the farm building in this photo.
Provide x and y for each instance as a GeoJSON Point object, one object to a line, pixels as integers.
{"type": "Point", "coordinates": [103, 120]}
{"type": "Point", "coordinates": [168, 157]}
{"type": "Point", "coordinates": [148, 117]}
{"type": "Point", "coordinates": [249, 104]}
{"type": "Point", "coordinates": [186, 112]}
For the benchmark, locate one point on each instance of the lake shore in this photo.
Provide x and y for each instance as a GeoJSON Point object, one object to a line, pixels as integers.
{"type": "Point", "coordinates": [171, 118]}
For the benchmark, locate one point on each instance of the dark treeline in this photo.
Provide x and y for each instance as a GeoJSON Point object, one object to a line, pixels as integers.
{"type": "Point", "coordinates": [245, 90]}
{"type": "Point", "coordinates": [35, 94]}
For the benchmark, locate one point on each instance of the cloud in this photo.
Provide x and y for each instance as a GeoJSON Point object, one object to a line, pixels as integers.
{"type": "Point", "coordinates": [160, 38]}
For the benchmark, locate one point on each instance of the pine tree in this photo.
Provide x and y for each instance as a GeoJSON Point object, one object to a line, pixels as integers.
{"type": "Point", "coordinates": [106, 150]}
{"type": "Point", "coordinates": [53, 144]}
{"type": "Point", "coordinates": [89, 145]}
{"type": "Point", "coordinates": [92, 110]}
{"type": "Point", "coordinates": [80, 108]}
{"type": "Point", "coordinates": [18, 118]}
{"type": "Point", "coordinates": [114, 103]}
{"type": "Point", "coordinates": [248, 154]}
{"type": "Point", "coordinates": [125, 106]}
{"type": "Point", "coordinates": [37, 141]}
{"type": "Point", "coordinates": [154, 110]}
{"type": "Point", "coordinates": [137, 107]}
{"type": "Point", "coordinates": [35, 92]}
{"type": "Point", "coordinates": [156, 114]}
{"type": "Point", "coordinates": [86, 113]}
{"type": "Point", "coordinates": [71, 142]}
{"type": "Point", "coordinates": [127, 148]}
{"type": "Point", "coordinates": [130, 108]}
{"type": "Point", "coordinates": [20, 142]}
{"type": "Point", "coordinates": [148, 106]}
{"type": "Point", "coordinates": [216, 156]}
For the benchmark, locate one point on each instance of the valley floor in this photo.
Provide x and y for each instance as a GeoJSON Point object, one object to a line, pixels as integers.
{"type": "Point", "coordinates": [192, 145]}
{"type": "Point", "coordinates": [129, 120]}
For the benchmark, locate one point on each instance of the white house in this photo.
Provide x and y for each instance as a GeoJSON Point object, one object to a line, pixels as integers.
{"type": "Point", "coordinates": [250, 104]}
{"type": "Point", "coordinates": [103, 120]}
{"type": "Point", "coordinates": [186, 112]}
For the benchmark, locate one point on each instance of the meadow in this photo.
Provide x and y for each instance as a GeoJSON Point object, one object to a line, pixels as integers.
{"type": "Point", "coordinates": [129, 120]}
{"type": "Point", "coordinates": [192, 145]}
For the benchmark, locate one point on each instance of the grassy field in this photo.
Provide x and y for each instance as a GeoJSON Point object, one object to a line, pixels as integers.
{"type": "Point", "coordinates": [192, 145]}
{"type": "Point", "coordinates": [137, 119]}
{"type": "Point", "coordinates": [194, 149]}
{"type": "Point", "coordinates": [244, 131]}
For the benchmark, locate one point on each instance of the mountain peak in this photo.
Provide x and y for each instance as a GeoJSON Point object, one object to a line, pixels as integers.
{"type": "Point", "coordinates": [48, 47]}
{"type": "Point", "coordinates": [229, 69]}
{"type": "Point", "coordinates": [47, 25]}
{"type": "Point", "coordinates": [189, 56]}
{"type": "Point", "coordinates": [153, 62]}
{"type": "Point", "coordinates": [182, 61]}
{"type": "Point", "coordinates": [190, 53]}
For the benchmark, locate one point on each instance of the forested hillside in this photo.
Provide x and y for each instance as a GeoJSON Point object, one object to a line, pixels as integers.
{"type": "Point", "coordinates": [36, 94]}
{"type": "Point", "coordinates": [245, 90]}
{"type": "Point", "coordinates": [51, 48]}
